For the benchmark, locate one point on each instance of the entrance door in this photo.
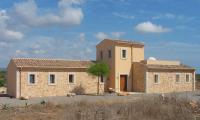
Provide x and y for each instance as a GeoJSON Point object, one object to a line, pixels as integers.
{"type": "Point", "coordinates": [123, 82]}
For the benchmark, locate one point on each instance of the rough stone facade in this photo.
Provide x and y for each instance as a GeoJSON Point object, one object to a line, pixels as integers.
{"type": "Point", "coordinates": [62, 86]}
{"type": "Point", "coordinates": [139, 79]}
{"type": "Point", "coordinates": [129, 72]}
{"type": "Point", "coordinates": [167, 81]}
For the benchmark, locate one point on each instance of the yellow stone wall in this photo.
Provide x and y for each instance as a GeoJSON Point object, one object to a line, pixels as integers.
{"type": "Point", "coordinates": [11, 79]}
{"type": "Point", "coordinates": [167, 82]}
{"type": "Point", "coordinates": [104, 47]}
{"type": "Point", "coordinates": [62, 87]}
{"type": "Point", "coordinates": [139, 77]}
{"type": "Point", "coordinates": [119, 66]}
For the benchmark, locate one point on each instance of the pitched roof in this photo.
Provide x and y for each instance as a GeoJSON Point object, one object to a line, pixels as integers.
{"type": "Point", "coordinates": [50, 63]}
{"type": "Point", "coordinates": [170, 67]}
{"type": "Point", "coordinates": [128, 42]}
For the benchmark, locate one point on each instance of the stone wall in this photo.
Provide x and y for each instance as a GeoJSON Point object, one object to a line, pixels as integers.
{"type": "Point", "coordinates": [139, 77]}
{"type": "Point", "coordinates": [62, 87]}
{"type": "Point", "coordinates": [11, 79]}
{"type": "Point", "coordinates": [167, 82]}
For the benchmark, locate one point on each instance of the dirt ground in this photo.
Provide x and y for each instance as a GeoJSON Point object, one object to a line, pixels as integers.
{"type": "Point", "coordinates": [184, 106]}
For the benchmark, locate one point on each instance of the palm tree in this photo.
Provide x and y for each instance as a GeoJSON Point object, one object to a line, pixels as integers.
{"type": "Point", "coordinates": [99, 69]}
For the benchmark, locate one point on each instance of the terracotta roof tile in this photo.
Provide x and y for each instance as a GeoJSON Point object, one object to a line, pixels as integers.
{"type": "Point", "coordinates": [50, 63]}
{"type": "Point", "coordinates": [126, 41]}
{"type": "Point", "coordinates": [181, 66]}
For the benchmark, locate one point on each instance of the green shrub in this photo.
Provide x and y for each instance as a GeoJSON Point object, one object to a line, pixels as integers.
{"type": "Point", "coordinates": [2, 83]}
{"type": "Point", "coordinates": [198, 77]}
{"type": "Point", "coordinates": [79, 90]}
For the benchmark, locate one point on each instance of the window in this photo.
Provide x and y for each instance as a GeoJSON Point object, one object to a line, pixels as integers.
{"type": "Point", "coordinates": [71, 78]}
{"type": "Point", "coordinates": [109, 53]}
{"type": "Point", "coordinates": [101, 54]}
{"type": "Point", "coordinates": [102, 79]}
{"type": "Point", "coordinates": [32, 78]}
{"type": "Point", "coordinates": [156, 79]}
{"type": "Point", "coordinates": [177, 78]}
{"type": "Point", "coordinates": [52, 79]}
{"type": "Point", "coordinates": [187, 78]}
{"type": "Point", "coordinates": [123, 53]}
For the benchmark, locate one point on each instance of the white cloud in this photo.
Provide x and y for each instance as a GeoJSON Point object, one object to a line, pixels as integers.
{"type": "Point", "coordinates": [170, 15]}
{"type": "Point", "coordinates": [39, 51]}
{"type": "Point", "coordinates": [88, 50]}
{"type": "Point", "coordinates": [165, 16]}
{"type": "Point", "coordinates": [82, 37]}
{"type": "Point", "coordinates": [122, 15]}
{"type": "Point", "coordinates": [20, 53]}
{"type": "Point", "coordinates": [117, 34]}
{"type": "Point", "coordinates": [113, 35]}
{"type": "Point", "coordinates": [3, 44]}
{"type": "Point", "coordinates": [101, 35]}
{"type": "Point", "coordinates": [5, 33]}
{"type": "Point", "coordinates": [148, 27]}
{"type": "Point", "coordinates": [67, 15]}
{"type": "Point", "coordinates": [3, 18]}
{"type": "Point", "coordinates": [10, 35]}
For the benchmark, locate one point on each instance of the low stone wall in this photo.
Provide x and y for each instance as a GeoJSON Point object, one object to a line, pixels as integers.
{"type": "Point", "coordinates": [61, 88]}
{"type": "Point", "coordinates": [3, 90]}
{"type": "Point", "coordinates": [198, 85]}
{"type": "Point", "coordinates": [167, 82]}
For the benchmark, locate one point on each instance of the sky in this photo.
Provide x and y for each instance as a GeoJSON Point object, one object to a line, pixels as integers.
{"type": "Point", "coordinates": [70, 29]}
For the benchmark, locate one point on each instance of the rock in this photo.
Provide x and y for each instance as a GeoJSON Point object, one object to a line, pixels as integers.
{"type": "Point", "coordinates": [122, 94]}
{"type": "Point", "coordinates": [162, 96]}
{"type": "Point", "coordinates": [111, 90]}
{"type": "Point", "coordinates": [24, 98]}
{"type": "Point", "coordinates": [71, 94]}
{"type": "Point", "coordinates": [194, 104]}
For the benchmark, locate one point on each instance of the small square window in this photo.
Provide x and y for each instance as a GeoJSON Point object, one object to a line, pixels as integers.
{"type": "Point", "coordinates": [71, 78]}
{"type": "Point", "coordinates": [177, 78]}
{"type": "Point", "coordinates": [124, 53]}
{"type": "Point", "coordinates": [31, 78]}
{"type": "Point", "coordinates": [187, 78]}
{"type": "Point", "coordinates": [52, 79]}
{"type": "Point", "coordinates": [156, 79]}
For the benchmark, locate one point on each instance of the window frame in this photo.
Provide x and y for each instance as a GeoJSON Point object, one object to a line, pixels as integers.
{"type": "Point", "coordinates": [179, 78]}
{"type": "Point", "coordinates": [101, 79]}
{"type": "Point", "coordinates": [158, 78]}
{"type": "Point", "coordinates": [186, 78]}
{"type": "Point", "coordinates": [109, 53]}
{"type": "Point", "coordinates": [55, 77]}
{"type": "Point", "coordinates": [74, 74]}
{"type": "Point", "coordinates": [124, 58]}
{"type": "Point", "coordinates": [101, 55]}
{"type": "Point", "coordinates": [32, 73]}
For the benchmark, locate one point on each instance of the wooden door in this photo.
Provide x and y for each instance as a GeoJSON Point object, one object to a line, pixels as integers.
{"type": "Point", "coordinates": [123, 82]}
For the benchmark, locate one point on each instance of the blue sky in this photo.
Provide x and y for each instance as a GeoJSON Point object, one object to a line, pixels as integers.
{"type": "Point", "coordinates": [70, 29]}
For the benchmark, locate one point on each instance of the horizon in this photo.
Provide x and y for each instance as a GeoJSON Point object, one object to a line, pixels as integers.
{"type": "Point", "coordinates": [70, 29]}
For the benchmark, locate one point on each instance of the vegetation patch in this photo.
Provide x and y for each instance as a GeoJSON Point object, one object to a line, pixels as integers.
{"type": "Point", "coordinates": [151, 108]}
{"type": "Point", "coordinates": [198, 77]}
{"type": "Point", "coordinates": [2, 78]}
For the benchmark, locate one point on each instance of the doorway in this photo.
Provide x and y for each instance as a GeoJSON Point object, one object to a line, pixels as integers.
{"type": "Point", "coordinates": [123, 83]}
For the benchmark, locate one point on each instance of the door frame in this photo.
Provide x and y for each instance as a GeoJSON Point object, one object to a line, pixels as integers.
{"type": "Point", "coordinates": [126, 81]}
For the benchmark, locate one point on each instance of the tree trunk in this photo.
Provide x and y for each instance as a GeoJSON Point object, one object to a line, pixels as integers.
{"type": "Point", "coordinates": [98, 86]}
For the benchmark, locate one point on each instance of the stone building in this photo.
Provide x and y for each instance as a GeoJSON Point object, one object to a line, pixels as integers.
{"type": "Point", "coordinates": [129, 72]}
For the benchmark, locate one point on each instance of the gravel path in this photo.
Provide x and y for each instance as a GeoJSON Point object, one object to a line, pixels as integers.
{"type": "Point", "coordinates": [86, 98]}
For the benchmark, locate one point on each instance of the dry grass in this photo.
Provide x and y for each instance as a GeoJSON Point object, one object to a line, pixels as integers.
{"type": "Point", "coordinates": [152, 108]}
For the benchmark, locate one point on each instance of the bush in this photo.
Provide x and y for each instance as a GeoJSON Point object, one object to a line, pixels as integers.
{"type": "Point", "coordinates": [2, 83]}
{"type": "Point", "coordinates": [79, 90]}
{"type": "Point", "coordinates": [146, 108]}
